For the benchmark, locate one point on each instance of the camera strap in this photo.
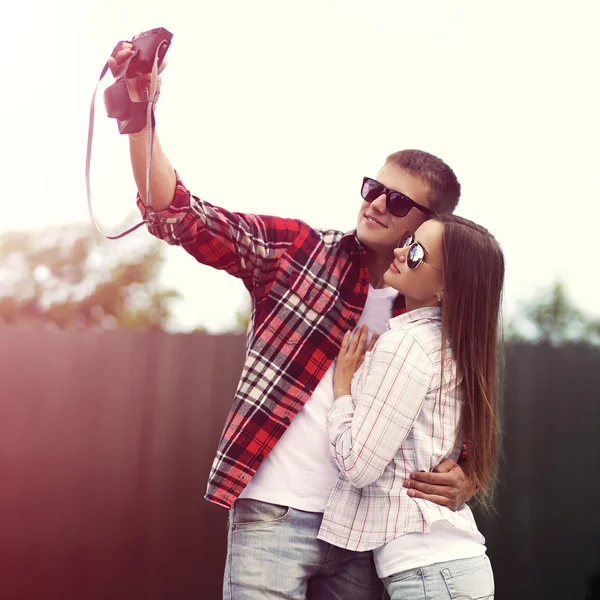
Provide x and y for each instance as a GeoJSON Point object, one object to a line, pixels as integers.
{"type": "Point", "coordinates": [151, 100]}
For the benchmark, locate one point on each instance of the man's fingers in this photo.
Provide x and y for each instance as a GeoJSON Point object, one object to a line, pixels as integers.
{"type": "Point", "coordinates": [441, 500]}
{"type": "Point", "coordinates": [112, 65]}
{"type": "Point", "coordinates": [122, 55]}
{"type": "Point", "coordinates": [433, 478]}
{"type": "Point", "coordinates": [445, 466]}
{"type": "Point", "coordinates": [429, 488]}
{"type": "Point", "coordinates": [163, 65]}
{"type": "Point", "coordinates": [126, 47]}
{"type": "Point", "coordinates": [453, 485]}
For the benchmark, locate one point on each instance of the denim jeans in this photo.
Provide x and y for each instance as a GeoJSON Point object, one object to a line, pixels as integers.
{"type": "Point", "coordinates": [273, 553]}
{"type": "Point", "coordinates": [464, 579]}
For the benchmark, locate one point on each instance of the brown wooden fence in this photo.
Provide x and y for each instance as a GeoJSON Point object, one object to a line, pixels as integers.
{"type": "Point", "coordinates": [106, 441]}
{"type": "Point", "coordinates": [544, 541]}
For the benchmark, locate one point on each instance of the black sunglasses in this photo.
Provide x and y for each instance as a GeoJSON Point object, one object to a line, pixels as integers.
{"type": "Point", "coordinates": [416, 255]}
{"type": "Point", "coordinates": [397, 203]}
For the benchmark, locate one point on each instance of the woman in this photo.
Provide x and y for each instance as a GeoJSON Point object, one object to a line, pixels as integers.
{"type": "Point", "coordinates": [429, 383]}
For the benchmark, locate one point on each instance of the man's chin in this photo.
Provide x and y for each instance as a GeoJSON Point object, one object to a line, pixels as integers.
{"type": "Point", "coordinates": [367, 237]}
{"type": "Point", "coordinates": [374, 243]}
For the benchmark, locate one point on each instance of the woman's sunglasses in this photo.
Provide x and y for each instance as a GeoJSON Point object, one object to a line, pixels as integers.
{"type": "Point", "coordinates": [416, 254]}
{"type": "Point", "coordinates": [397, 203]}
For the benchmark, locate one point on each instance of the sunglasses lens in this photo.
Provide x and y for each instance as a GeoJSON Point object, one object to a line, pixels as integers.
{"type": "Point", "coordinates": [406, 240]}
{"type": "Point", "coordinates": [371, 190]}
{"type": "Point", "coordinates": [415, 256]}
{"type": "Point", "coordinates": [398, 205]}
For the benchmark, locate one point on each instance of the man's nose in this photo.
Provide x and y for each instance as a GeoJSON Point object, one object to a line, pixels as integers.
{"type": "Point", "coordinates": [379, 204]}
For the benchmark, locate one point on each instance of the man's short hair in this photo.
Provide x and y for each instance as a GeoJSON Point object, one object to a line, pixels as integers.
{"type": "Point", "coordinates": [444, 188]}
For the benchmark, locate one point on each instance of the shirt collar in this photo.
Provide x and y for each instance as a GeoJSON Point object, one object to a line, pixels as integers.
{"type": "Point", "coordinates": [351, 238]}
{"type": "Point", "coordinates": [428, 313]}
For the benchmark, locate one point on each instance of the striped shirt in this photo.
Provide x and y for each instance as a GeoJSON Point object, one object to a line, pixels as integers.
{"type": "Point", "coordinates": [400, 417]}
{"type": "Point", "coordinates": [307, 286]}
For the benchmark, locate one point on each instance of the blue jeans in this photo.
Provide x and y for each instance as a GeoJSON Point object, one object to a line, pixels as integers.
{"type": "Point", "coordinates": [464, 579]}
{"type": "Point", "coordinates": [273, 553]}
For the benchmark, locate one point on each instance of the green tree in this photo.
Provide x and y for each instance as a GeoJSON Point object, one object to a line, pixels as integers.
{"type": "Point", "coordinates": [72, 278]}
{"type": "Point", "coordinates": [552, 318]}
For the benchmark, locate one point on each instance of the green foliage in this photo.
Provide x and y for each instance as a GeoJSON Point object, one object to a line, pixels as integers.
{"type": "Point", "coordinates": [73, 278]}
{"type": "Point", "coordinates": [552, 318]}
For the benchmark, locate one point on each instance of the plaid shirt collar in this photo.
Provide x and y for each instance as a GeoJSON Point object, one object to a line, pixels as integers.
{"type": "Point", "coordinates": [432, 313]}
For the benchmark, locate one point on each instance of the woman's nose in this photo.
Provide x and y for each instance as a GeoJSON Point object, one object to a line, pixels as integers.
{"type": "Point", "coordinates": [400, 254]}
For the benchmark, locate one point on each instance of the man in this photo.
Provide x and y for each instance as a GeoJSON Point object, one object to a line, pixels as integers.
{"type": "Point", "coordinates": [273, 468]}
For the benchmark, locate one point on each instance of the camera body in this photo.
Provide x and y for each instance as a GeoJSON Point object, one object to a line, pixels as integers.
{"type": "Point", "coordinates": [130, 115]}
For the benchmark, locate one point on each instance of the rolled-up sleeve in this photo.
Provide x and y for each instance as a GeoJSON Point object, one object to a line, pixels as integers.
{"type": "Point", "coordinates": [367, 429]}
{"type": "Point", "coordinates": [163, 224]}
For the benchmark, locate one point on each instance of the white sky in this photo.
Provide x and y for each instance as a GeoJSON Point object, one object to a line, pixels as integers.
{"type": "Point", "coordinates": [281, 107]}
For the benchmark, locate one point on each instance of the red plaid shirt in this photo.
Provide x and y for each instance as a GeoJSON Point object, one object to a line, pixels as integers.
{"type": "Point", "coordinates": [308, 287]}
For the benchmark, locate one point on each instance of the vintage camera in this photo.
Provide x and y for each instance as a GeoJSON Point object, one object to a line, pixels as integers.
{"type": "Point", "coordinates": [130, 115]}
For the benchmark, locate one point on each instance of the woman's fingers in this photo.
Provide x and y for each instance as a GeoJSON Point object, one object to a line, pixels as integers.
{"type": "Point", "coordinates": [355, 343]}
{"type": "Point", "coordinates": [345, 341]}
{"type": "Point", "coordinates": [354, 340]}
{"type": "Point", "coordinates": [362, 341]}
{"type": "Point", "coordinates": [358, 342]}
{"type": "Point", "coordinates": [373, 341]}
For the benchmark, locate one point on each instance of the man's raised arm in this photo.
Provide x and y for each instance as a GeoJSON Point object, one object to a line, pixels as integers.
{"type": "Point", "coordinates": [163, 179]}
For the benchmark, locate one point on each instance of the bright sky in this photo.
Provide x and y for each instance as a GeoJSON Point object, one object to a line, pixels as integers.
{"type": "Point", "coordinates": [281, 107]}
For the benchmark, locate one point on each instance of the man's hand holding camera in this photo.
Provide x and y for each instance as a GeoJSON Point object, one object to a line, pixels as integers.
{"type": "Point", "coordinates": [138, 87]}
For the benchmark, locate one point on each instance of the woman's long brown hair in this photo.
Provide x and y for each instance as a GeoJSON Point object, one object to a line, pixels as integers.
{"type": "Point", "coordinates": [473, 270]}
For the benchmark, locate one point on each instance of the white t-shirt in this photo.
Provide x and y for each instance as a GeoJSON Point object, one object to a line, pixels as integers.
{"type": "Point", "coordinates": [300, 471]}
{"type": "Point", "coordinates": [442, 543]}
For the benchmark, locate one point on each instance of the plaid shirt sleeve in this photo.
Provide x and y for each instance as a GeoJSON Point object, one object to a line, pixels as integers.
{"type": "Point", "coordinates": [246, 246]}
{"type": "Point", "coordinates": [367, 429]}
